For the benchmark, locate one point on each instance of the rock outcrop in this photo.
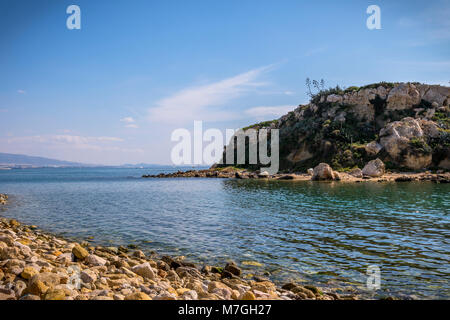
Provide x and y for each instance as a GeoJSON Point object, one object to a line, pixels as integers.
{"type": "Point", "coordinates": [375, 168]}
{"type": "Point", "coordinates": [324, 172]}
{"type": "Point", "coordinates": [405, 125]}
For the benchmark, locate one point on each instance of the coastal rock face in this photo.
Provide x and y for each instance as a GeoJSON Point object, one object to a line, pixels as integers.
{"type": "Point", "coordinates": [374, 168]}
{"type": "Point", "coordinates": [403, 97]}
{"type": "Point", "coordinates": [406, 142]}
{"type": "Point", "coordinates": [406, 125]}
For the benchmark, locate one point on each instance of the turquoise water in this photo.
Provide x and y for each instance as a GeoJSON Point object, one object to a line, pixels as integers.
{"type": "Point", "coordinates": [324, 233]}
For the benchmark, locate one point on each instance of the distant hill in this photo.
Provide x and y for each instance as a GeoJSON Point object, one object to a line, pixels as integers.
{"type": "Point", "coordinates": [19, 160]}
{"type": "Point", "coordinates": [9, 160]}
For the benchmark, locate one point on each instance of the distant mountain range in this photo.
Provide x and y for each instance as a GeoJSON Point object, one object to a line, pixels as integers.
{"type": "Point", "coordinates": [9, 160]}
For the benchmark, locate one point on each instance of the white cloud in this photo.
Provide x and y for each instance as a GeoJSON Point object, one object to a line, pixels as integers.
{"type": "Point", "coordinates": [20, 91]}
{"type": "Point", "coordinates": [127, 120]}
{"type": "Point", "coordinates": [268, 112]}
{"type": "Point", "coordinates": [205, 102]}
{"type": "Point", "coordinates": [130, 122]}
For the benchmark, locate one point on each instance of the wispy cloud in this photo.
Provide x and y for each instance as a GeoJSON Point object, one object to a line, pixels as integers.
{"type": "Point", "coordinates": [71, 141]}
{"type": "Point", "coordinates": [433, 21]}
{"type": "Point", "coordinates": [20, 91]}
{"type": "Point", "coordinates": [206, 102]}
{"type": "Point", "coordinates": [129, 122]}
{"type": "Point", "coordinates": [268, 112]}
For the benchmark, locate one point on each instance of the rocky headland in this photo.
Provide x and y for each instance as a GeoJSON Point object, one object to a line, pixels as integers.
{"type": "Point", "coordinates": [405, 125]}
{"type": "Point", "coordinates": [382, 132]}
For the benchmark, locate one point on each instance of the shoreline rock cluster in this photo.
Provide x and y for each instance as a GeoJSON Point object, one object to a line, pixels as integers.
{"type": "Point", "coordinates": [374, 170]}
{"type": "Point", "coordinates": [3, 198]}
{"type": "Point", "coordinates": [38, 266]}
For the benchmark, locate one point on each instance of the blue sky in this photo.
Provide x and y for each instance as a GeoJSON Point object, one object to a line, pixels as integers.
{"type": "Point", "coordinates": [114, 91]}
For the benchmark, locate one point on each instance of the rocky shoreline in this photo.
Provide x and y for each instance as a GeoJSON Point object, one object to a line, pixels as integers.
{"type": "Point", "coordinates": [3, 198]}
{"type": "Point", "coordinates": [321, 172]}
{"type": "Point", "coordinates": [35, 265]}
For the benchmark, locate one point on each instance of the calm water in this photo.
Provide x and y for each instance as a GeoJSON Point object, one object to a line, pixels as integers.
{"type": "Point", "coordinates": [326, 233]}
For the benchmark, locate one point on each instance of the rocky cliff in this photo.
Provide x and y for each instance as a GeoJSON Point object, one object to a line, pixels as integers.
{"type": "Point", "coordinates": [406, 125]}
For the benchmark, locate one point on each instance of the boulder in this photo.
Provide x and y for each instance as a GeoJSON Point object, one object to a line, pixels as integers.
{"type": "Point", "coordinates": [4, 296]}
{"type": "Point", "coordinates": [232, 268]}
{"type": "Point", "coordinates": [57, 294]}
{"type": "Point", "coordinates": [405, 142]}
{"type": "Point", "coordinates": [404, 96]}
{"type": "Point", "coordinates": [373, 148]}
{"type": "Point", "coordinates": [395, 136]}
{"type": "Point", "coordinates": [29, 272]}
{"type": "Point", "coordinates": [248, 295]}
{"type": "Point", "coordinates": [429, 128]}
{"type": "Point", "coordinates": [324, 172]}
{"type": "Point", "coordinates": [435, 94]}
{"type": "Point", "coordinates": [357, 173]}
{"type": "Point", "coordinates": [374, 168]}
{"type": "Point", "coordinates": [94, 260]}
{"type": "Point", "coordinates": [80, 252]}
{"type": "Point", "coordinates": [37, 288]}
{"type": "Point", "coordinates": [144, 270]}
{"type": "Point", "coordinates": [88, 276]}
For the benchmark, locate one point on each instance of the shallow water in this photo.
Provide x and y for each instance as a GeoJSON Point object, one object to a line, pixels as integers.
{"type": "Point", "coordinates": [324, 233]}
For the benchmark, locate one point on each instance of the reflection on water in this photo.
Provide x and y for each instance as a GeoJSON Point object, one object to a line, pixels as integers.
{"type": "Point", "coordinates": [323, 232]}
